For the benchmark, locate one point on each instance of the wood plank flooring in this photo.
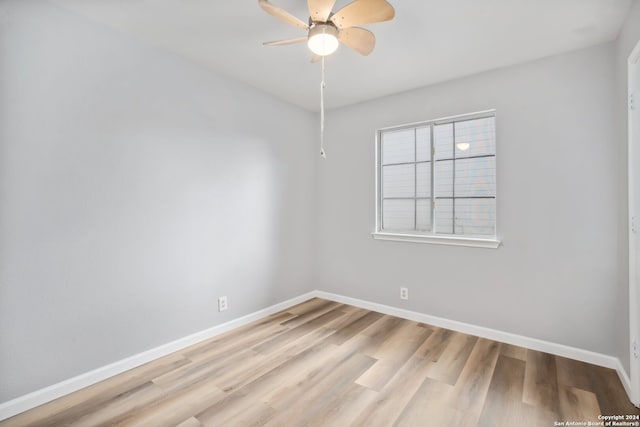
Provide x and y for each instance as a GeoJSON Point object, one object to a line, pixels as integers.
{"type": "Point", "coordinates": [322, 363]}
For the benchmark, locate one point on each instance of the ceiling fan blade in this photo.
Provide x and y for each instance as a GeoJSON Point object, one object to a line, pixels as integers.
{"type": "Point", "coordinates": [282, 15]}
{"type": "Point", "coordinates": [319, 10]}
{"type": "Point", "coordinates": [362, 12]}
{"type": "Point", "coordinates": [287, 41]}
{"type": "Point", "coordinates": [361, 40]}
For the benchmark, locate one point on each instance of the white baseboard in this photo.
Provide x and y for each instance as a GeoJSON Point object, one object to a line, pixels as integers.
{"type": "Point", "coordinates": [47, 394]}
{"type": "Point", "coordinates": [39, 397]}
{"type": "Point", "coordinates": [500, 336]}
{"type": "Point", "coordinates": [625, 380]}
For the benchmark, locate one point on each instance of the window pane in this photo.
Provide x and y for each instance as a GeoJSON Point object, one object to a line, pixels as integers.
{"type": "Point", "coordinates": [398, 146]}
{"type": "Point", "coordinates": [476, 137]}
{"type": "Point", "coordinates": [444, 216]}
{"type": "Point", "coordinates": [423, 215]}
{"type": "Point", "coordinates": [443, 141]}
{"type": "Point", "coordinates": [476, 216]}
{"type": "Point", "coordinates": [423, 144]}
{"type": "Point", "coordinates": [423, 180]}
{"type": "Point", "coordinates": [450, 190]}
{"type": "Point", "coordinates": [476, 177]}
{"type": "Point", "coordinates": [398, 181]}
{"type": "Point", "coordinates": [443, 179]}
{"type": "Point", "coordinates": [398, 215]}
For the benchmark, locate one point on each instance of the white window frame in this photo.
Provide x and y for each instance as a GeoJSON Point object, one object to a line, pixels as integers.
{"type": "Point", "coordinates": [415, 236]}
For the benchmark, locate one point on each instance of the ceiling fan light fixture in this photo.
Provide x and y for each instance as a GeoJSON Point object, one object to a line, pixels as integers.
{"type": "Point", "coordinates": [323, 39]}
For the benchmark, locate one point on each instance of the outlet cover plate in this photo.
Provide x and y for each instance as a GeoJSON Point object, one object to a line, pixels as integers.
{"type": "Point", "coordinates": [222, 303]}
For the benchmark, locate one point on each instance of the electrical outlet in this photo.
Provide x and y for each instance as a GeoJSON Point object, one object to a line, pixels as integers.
{"type": "Point", "coordinates": [404, 293]}
{"type": "Point", "coordinates": [222, 303]}
{"type": "Point", "coordinates": [635, 349]}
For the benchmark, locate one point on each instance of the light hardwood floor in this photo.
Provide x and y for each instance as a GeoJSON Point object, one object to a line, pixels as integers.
{"type": "Point", "coordinates": [322, 363]}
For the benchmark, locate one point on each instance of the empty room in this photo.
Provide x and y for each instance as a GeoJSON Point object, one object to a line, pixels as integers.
{"type": "Point", "coordinates": [319, 213]}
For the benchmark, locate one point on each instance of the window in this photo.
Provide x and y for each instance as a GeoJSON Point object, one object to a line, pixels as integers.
{"type": "Point", "coordinates": [436, 181]}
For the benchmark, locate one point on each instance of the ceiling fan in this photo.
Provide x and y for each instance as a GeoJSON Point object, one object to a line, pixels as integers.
{"type": "Point", "coordinates": [327, 29]}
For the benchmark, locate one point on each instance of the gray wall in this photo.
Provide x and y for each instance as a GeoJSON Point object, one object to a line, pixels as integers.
{"type": "Point", "coordinates": [135, 188]}
{"type": "Point", "coordinates": [627, 39]}
{"type": "Point", "coordinates": [556, 275]}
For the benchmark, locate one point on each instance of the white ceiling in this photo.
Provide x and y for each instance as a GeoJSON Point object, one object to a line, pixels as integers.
{"type": "Point", "coordinates": [427, 42]}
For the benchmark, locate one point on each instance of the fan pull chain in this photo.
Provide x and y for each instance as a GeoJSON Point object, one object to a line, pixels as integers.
{"type": "Point", "coordinates": [322, 85]}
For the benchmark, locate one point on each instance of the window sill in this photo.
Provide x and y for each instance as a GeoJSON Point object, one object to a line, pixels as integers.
{"type": "Point", "coordinates": [439, 240]}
